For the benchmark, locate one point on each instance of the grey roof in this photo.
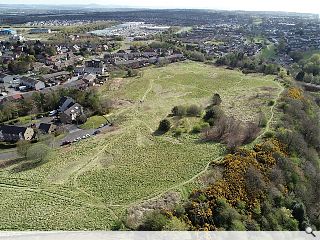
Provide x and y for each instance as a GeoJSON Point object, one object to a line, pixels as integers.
{"type": "Point", "coordinates": [45, 127]}
{"type": "Point", "coordinates": [10, 129]}
{"type": "Point", "coordinates": [54, 75]}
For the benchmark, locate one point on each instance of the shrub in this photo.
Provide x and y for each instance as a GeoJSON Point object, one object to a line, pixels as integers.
{"type": "Point", "coordinates": [212, 114]}
{"type": "Point", "coordinates": [164, 126]}
{"type": "Point", "coordinates": [154, 221]}
{"type": "Point", "coordinates": [216, 99]}
{"type": "Point", "coordinates": [193, 110]}
{"type": "Point", "coordinates": [262, 120]}
{"type": "Point", "coordinates": [23, 147]}
{"type": "Point", "coordinates": [269, 134]}
{"type": "Point", "coordinates": [178, 132]}
{"type": "Point", "coordinates": [132, 72]}
{"type": "Point", "coordinates": [117, 225]}
{"type": "Point", "coordinates": [175, 224]}
{"type": "Point", "coordinates": [271, 103]}
{"type": "Point", "coordinates": [196, 129]}
{"type": "Point", "coordinates": [179, 111]}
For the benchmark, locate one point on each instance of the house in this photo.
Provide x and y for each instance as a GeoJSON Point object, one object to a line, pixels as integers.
{"type": "Point", "coordinates": [79, 84]}
{"type": "Point", "coordinates": [78, 70]}
{"type": "Point", "coordinates": [47, 128]}
{"type": "Point", "coordinates": [65, 103]}
{"type": "Point", "coordinates": [32, 83]}
{"type": "Point", "coordinates": [71, 113]}
{"type": "Point", "coordinates": [52, 77]}
{"type": "Point", "coordinates": [10, 133]}
{"type": "Point", "coordinates": [89, 78]}
{"type": "Point", "coordinates": [94, 66]}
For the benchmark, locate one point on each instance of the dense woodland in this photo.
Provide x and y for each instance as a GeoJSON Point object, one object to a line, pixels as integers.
{"type": "Point", "coordinates": [308, 70]}
{"type": "Point", "coordinates": [248, 64]}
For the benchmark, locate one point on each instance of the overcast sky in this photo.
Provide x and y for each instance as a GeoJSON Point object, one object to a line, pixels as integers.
{"type": "Point", "coordinates": [311, 6]}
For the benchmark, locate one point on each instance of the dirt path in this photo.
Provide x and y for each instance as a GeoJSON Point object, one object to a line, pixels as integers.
{"type": "Point", "coordinates": [149, 89]}
{"type": "Point", "coordinates": [267, 128]}
{"type": "Point", "coordinates": [161, 193]}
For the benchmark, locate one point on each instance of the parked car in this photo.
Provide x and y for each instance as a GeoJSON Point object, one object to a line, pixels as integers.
{"type": "Point", "coordinates": [65, 143]}
{"type": "Point", "coordinates": [52, 113]}
{"type": "Point", "coordinates": [96, 132]}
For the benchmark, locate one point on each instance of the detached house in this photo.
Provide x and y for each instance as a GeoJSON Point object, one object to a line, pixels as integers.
{"type": "Point", "coordinates": [10, 133]}
{"type": "Point", "coordinates": [94, 67]}
{"type": "Point", "coordinates": [69, 110]}
{"type": "Point", "coordinates": [32, 83]}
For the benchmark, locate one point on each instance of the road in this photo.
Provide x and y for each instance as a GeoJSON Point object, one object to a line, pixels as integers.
{"type": "Point", "coordinates": [75, 132]}
{"type": "Point", "coordinates": [9, 155]}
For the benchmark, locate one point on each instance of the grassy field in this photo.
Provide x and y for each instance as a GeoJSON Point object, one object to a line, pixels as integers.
{"type": "Point", "coordinates": [90, 184]}
{"type": "Point", "coordinates": [94, 122]}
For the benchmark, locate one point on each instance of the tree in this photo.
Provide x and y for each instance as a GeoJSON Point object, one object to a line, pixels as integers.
{"type": "Point", "coordinates": [227, 217]}
{"type": "Point", "coordinates": [299, 213]}
{"type": "Point", "coordinates": [50, 50]}
{"type": "Point", "coordinates": [82, 119]}
{"type": "Point", "coordinates": [300, 76]}
{"type": "Point", "coordinates": [23, 147]}
{"type": "Point", "coordinates": [175, 224]}
{"type": "Point", "coordinates": [164, 126]}
{"type": "Point", "coordinates": [154, 221]}
{"type": "Point", "coordinates": [38, 152]}
{"type": "Point", "coordinates": [262, 119]}
{"type": "Point", "coordinates": [255, 183]}
{"type": "Point", "coordinates": [132, 72]}
{"type": "Point", "coordinates": [216, 99]}
{"type": "Point", "coordinates": [196, 56]}
{"type": "Point", "coordinates": [212, 114]}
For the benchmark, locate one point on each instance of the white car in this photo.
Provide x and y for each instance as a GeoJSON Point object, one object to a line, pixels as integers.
{"type": "Point", "coordinates": [52, 113]}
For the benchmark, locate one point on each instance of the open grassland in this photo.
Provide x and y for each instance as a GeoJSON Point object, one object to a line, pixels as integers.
{"type": "Point", "coordinates": [86, 185]}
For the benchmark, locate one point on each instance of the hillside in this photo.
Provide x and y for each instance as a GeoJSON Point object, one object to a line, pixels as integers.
{"type": "Point", "coordinates": [90, 184]}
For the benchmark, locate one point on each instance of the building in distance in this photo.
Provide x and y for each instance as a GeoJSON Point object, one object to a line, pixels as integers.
{"type": "Point", "coordinates": [39, 30]}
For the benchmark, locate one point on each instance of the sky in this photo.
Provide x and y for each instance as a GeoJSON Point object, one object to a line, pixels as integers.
{"type": "Point", "coordinates": [307, 6]}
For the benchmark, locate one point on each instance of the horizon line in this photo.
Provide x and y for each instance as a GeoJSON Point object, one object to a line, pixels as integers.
{"type": "Point", "coordinates": [115, 6]}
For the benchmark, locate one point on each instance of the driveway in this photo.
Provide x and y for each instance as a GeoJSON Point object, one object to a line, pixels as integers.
{"type": "Point", "coordinates": [8, 155]}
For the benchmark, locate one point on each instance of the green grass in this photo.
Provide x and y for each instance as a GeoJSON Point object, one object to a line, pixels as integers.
{"type": "Point", "coordinates": [119, 169]}
{"type": "Point", "coordinates": [23, 120]}
{"type": "Point", "coordinates": [118, 73]}
{"type": "Point", "coordinates": [94, 122]}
